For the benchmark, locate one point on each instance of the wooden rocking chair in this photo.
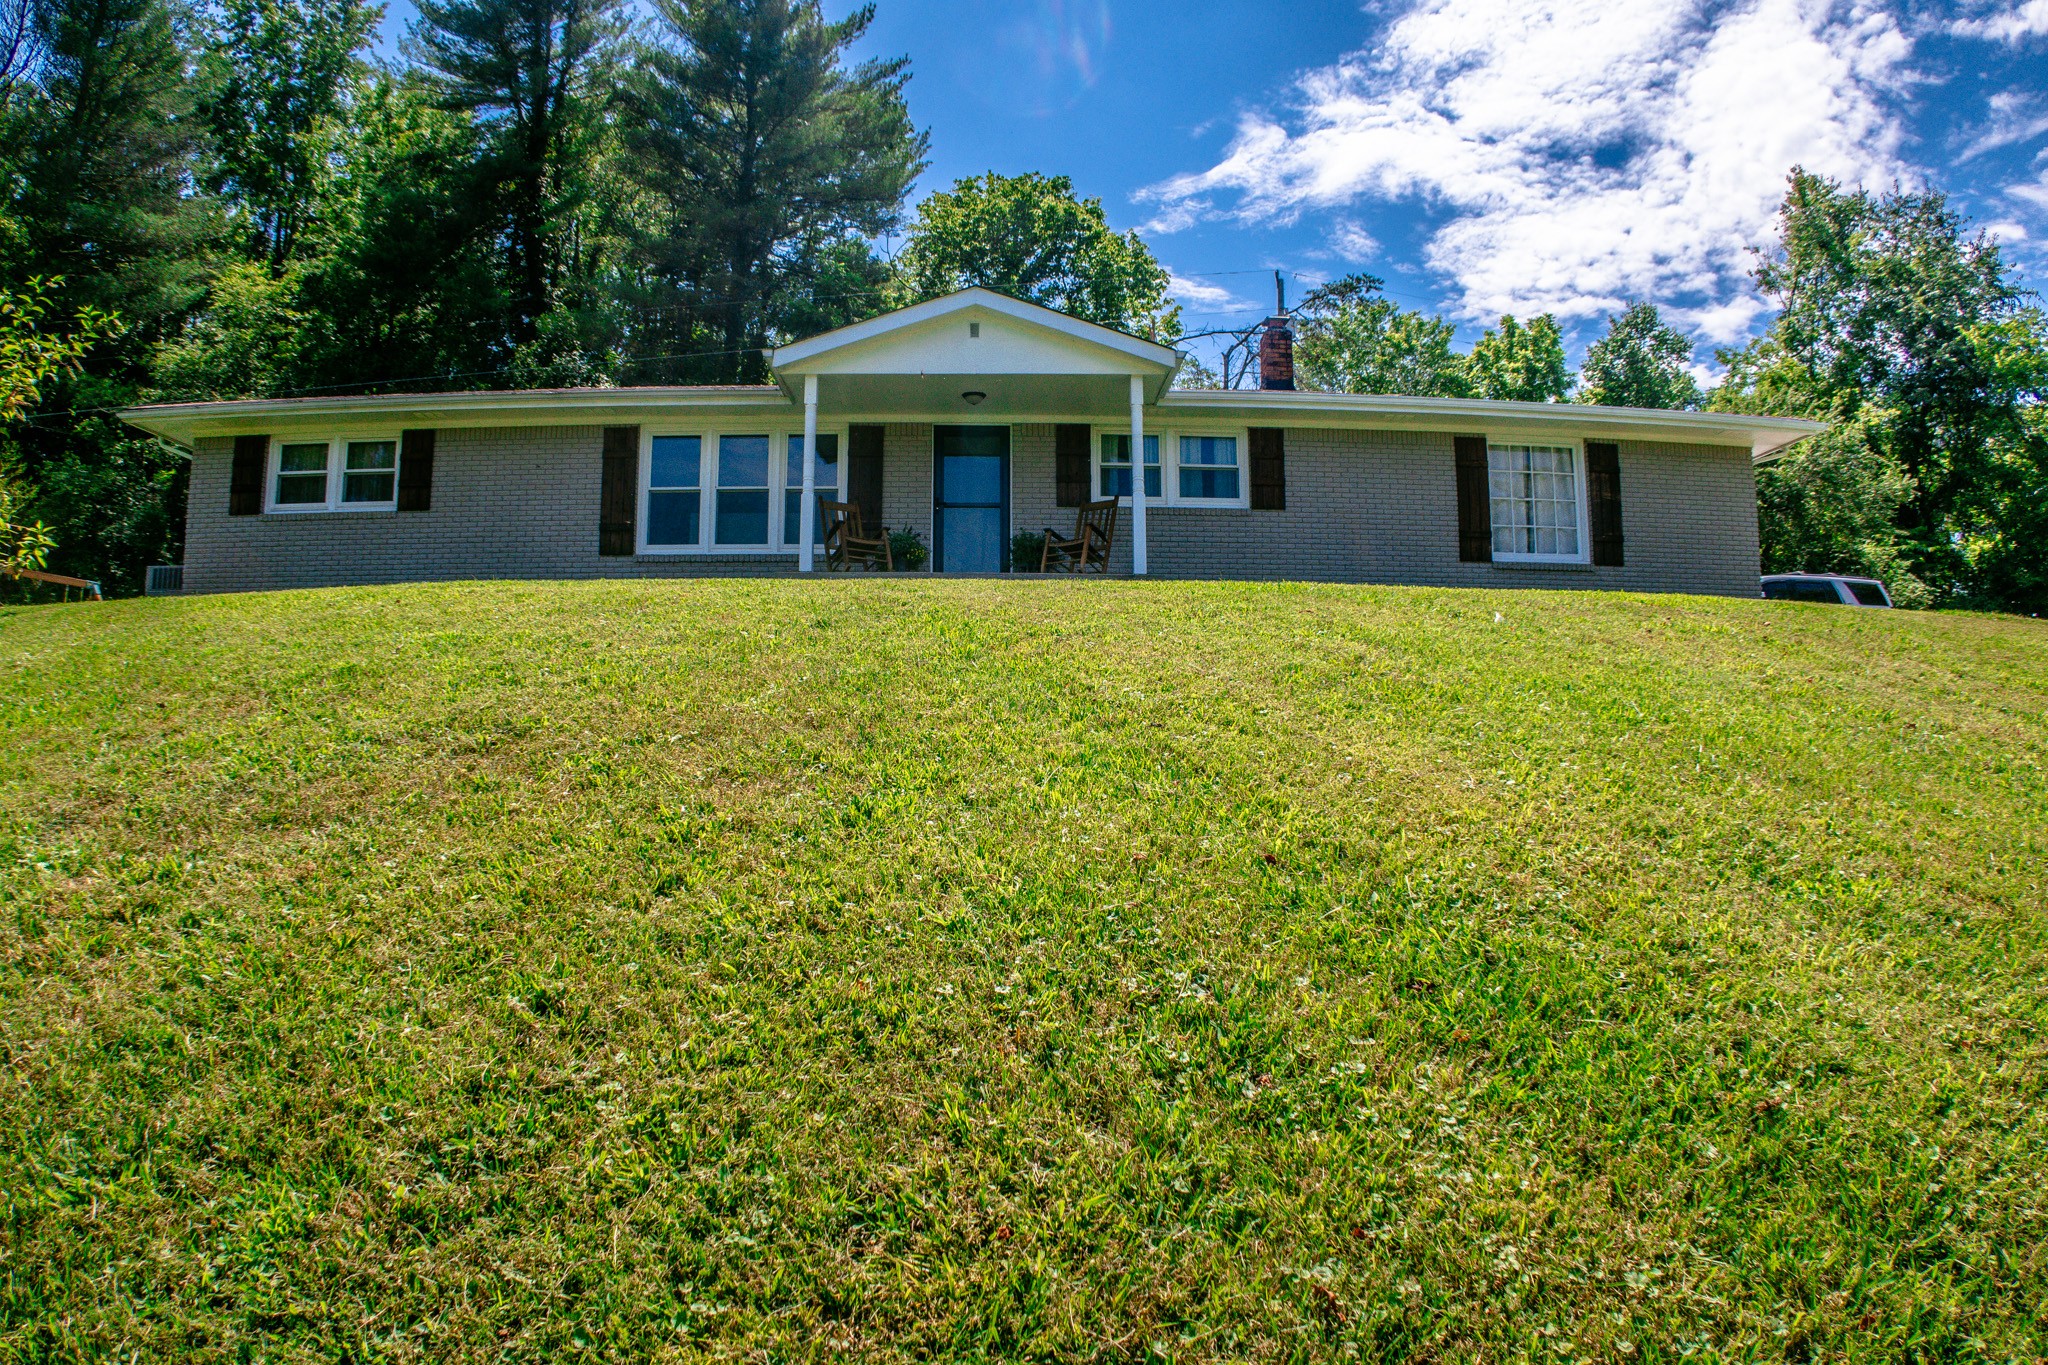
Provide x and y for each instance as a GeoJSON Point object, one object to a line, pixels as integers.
{"type": "Point", "coordinates": [847, 542]}
{"type": "Point", "coordinates": [1088, 547]}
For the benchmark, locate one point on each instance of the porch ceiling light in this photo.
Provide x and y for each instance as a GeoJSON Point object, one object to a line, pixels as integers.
{"type": "Point", "coordinates": [973, 397]}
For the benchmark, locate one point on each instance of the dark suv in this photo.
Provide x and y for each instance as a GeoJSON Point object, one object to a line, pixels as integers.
{"type": "Point", "coordinates": [1835, 589]}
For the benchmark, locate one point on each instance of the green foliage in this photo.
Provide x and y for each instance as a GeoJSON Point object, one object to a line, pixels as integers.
{"type": "Point", "coordinates": [1350, 339]}
{"type": "Point", "coordinates": [907, 550]}
{"type": "Point", "coordinates": [1029, 237]}
{"type": "Point", "coordinates": [281, 74]}
{"type": "Point", "coordinates": [1641, 362]}
{"type": "Point", "coordinates": [899, 971]}
{"type": "Point", "coordinates": [1027, 551]}
{"type": "Point", "coordinates": [1907, 331]}
{"type": "Point", "coordinates": [1521, 364]}
{"type": "Point", "coordinates": [769, 163]}
{"type": "Point", "coordinates": [31, 354]}
{"type": "Point", "coordinates": [535, 74]}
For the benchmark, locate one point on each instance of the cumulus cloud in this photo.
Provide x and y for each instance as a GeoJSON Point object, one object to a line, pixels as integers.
{"type": "Point", "coordinates": [1591, 152]}
{"type": "Point", "coordinates": [1200, 293]}
{"type": "Point", "coordinates": [2005, 23]}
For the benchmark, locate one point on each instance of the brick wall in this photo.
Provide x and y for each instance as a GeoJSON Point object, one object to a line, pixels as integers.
{"type": "Point", "coordinates": [1362, 506]}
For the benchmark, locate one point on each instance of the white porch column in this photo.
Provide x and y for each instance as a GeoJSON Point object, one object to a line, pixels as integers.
{"type": "Point", "coordinates": [807, 514]}
{"type": "Point", "coordinates": [1138, 474]}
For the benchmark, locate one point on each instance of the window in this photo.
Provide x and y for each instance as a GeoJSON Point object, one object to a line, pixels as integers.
{"type": "Point", "coordinates": [825, 481]}
{"type": "Point", "coordinates": [1208, 468]}
{"type": "Point", "coordinates": [1534, 493]}
{"type": "Point", "coordinates": [1866, 593]}
{"type": "Point", "coordinates": [369, 472]}
{"type": "Point", "coordinates": [301, 474]}
{"type": "Point", "coordinates": [740, 516]}
{"type": "Point", "coordinates": [675, 490]}
{"type": "Point", "coordinates": [1803, 590]}
{"type": "Point", "coordinates": [1115, 480]}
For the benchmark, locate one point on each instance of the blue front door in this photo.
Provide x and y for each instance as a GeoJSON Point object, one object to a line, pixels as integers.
{"type": "Point", "coordinates": [971, 499]}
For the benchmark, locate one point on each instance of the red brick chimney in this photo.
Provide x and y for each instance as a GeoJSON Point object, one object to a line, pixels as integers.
{"type": "Point", "coordinates": [1276, 354]}
{"type": "Point", "coordinates": [1276, 343]}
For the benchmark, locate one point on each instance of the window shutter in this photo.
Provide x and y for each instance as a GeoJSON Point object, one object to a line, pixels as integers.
{"type": "Point", "coordinates": [1475, 506]}
{"type": "Point", "coordinates": [416, 471]}
{"type": "Point", "coordinates": [619, 500]}
{"type": "Point", "coordinates": [1070, 454]}
{"type": "Point", "coordinates": [1603, 499]}
{"type": "Point", "coordinates": [1269, 468]}
{"type": "Point", "coordinates": [245, 483]}
{"type": "Point", "coordinates": [864, 474]}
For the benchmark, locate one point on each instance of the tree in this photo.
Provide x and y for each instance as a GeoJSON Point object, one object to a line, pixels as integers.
{"type": "Point", "coordinates": [1029, 237]}
{"type": "Point", "coordinates": [533, 73]}
{"type": "Point", "coordinates": [1641, 362]}
{"type": "Point", "coordinates": [1900, 326]}
{"type": "Point", "coordinates": [281, 72]}
{"type": "Point", "coordinates": [101, 157]}
{"type": "Point", "coordinates": [30, 356]}
{"type": "Point", "coordinates": [1522, 364]}
{"type": "Point", "coordinates": [1349, 339]}
{"type": "Point", "coordinates": [772, 162]}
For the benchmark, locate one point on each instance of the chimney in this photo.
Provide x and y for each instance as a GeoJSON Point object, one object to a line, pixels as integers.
{"type": "Point", "coordinates": [1276, 343]}
{"type": "Point", "coordinates": [1276, 354]}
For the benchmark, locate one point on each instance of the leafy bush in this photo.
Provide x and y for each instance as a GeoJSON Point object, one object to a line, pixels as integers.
{"type": "Point", "coordinates": [907, 549]}
{"type": "Point", "coordinates": [1027, 551]}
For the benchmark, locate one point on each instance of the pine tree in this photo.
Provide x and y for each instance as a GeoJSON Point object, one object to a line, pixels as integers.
{"type": "Point", "coordinates": [771, 162]}
{"type": "Point", "coordinates": [535, 74]}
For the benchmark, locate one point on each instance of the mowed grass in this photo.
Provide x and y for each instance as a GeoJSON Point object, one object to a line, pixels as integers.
{"type": "Point", "coordinates": [1022, 971]}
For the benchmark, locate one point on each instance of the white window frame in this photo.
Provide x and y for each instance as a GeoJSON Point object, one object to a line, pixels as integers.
{"type": "Point", "coordinates": [779, 434]}
{"type": "Point", "coordinates": [337, 459]}
{"type": "Point", "coordinates": [1578, 449]}
{"type": "Point", "coordinates": [1169, 463]}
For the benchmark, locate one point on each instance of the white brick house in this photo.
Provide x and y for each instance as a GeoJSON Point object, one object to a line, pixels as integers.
{"type": "Point", "coordinates": [968, 419]}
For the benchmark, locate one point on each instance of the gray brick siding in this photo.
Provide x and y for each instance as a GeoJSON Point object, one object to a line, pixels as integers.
{"type": "Point", "coordinates": [1362, 506]}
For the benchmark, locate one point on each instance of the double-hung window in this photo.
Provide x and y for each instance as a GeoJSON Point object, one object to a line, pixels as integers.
{"type": "Point", "coordinates": [1116, 467]}
{"type": "Point", "coordinates": [1534, 494]}
{"type": "Point", "coordinates": [675, 491]}
{"type": "Point", "coordinates": [369, 473]}
{"type": "Point", "coordinates": [740, 515]}
{"type": "Point", "coordinates": [301, 474]}
{"type": "Point", "coordinates": [825, 482]}
{"type": "Point", "coordinates": [357, 475]}
{"type": "Point", "coordinates": [1208, 469]}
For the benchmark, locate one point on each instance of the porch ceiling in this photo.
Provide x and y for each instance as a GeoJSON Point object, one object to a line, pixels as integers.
{"type": "Point", "coordinates": [1011, 397]}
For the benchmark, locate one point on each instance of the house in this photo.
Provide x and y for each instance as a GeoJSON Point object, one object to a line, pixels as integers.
{"type": "Point", "coordinates": [967, 419]}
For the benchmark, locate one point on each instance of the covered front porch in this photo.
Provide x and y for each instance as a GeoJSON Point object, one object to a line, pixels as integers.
{"type": "Point", "coordinates": [966, 420]}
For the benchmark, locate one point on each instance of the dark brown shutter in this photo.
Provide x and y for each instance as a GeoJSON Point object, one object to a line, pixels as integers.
{"type": "Point", "coordinates": [864, 473]}
{"type": "Point", "coordinates": [1070, 463]}
{"type": "Point", "coordinates": [416, 471]}
{"type": "Point", "coordinates": [1269, 468]}
{"type": "Point", "coordinates": [619, 501]}
{"type": "Point", "coordinates": [245, 483]}
{"type": "Point", "coordinates": [1475, 507]}
{"type": "Point", "coordinates": [1603, 497]}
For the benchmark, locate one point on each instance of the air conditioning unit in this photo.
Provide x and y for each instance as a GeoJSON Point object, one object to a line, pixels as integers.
{"type": "Point", "coordinates": [163, 580]}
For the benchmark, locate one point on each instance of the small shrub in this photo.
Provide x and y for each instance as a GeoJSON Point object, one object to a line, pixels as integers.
{"type": "Point", "coordinates": [908, 550]}
{"type": "Point", "coordinates": [1027, 551]}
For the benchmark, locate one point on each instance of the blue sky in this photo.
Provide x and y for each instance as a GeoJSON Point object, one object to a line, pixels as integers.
{"type": "Point", "coordinates": [1482, 156]}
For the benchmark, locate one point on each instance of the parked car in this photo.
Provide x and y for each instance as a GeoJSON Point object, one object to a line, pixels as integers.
{"type": "Point", "coordinates": [1826, 587]}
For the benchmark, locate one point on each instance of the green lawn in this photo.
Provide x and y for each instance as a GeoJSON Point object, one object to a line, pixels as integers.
{"type": "Point", "coordinates": [1051, 971]}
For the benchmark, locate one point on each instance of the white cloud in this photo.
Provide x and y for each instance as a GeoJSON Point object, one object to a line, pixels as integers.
{"type": "Point", "coordinates": [2006, 23]}
{"type": "Point", "coordinates": [2010, 116]}
{"type": "Point", "coordinates": [2006, 234]}
{"type": "Point", "coordinates": [1200, 293]}
{"type": "Point", "coordinates": [2035, 193]}
{"type": "Point", "coordinates": [1592, 151]}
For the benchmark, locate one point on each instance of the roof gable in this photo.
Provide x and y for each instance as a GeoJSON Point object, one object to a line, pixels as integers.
{"type": "Point", "coordinates": [975, 332]}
